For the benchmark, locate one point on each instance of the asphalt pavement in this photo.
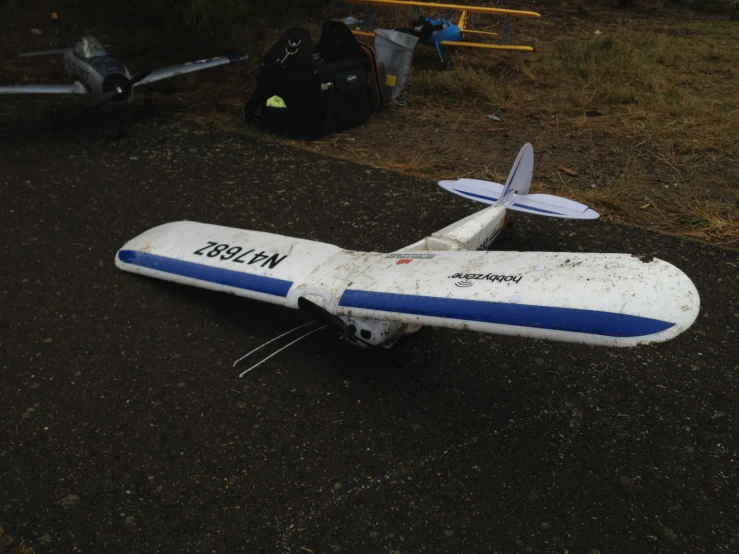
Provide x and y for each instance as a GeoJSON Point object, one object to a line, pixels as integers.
{"type": "Point", "coordinates": [125, 427]}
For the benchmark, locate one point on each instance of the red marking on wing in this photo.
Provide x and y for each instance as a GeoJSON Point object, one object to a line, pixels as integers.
{"type": "Point", "coordinates": [403, 261]}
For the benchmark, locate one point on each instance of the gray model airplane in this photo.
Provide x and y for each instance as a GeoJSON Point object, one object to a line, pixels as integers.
{"type": "Point", "coordinates": [95, 73]}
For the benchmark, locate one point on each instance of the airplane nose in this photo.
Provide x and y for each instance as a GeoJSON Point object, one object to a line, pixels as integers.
{"type": "Point", "coordinates": [119, 83]}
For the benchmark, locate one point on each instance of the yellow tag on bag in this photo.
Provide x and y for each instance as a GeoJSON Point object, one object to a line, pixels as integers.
{"type": "Point", "coordinates": [276, 102]}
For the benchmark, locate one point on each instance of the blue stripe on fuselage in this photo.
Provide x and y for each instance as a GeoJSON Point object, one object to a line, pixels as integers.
{"type": "Point", "coordinates": [217, 275]}
{"type": "Point", "coordinates": [572, 320]}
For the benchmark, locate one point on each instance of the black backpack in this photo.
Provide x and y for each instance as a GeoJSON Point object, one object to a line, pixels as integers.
{"type": "Point", "coordinates": [323, 90]}
{"type": "Point", "coordinates": [338, 43]}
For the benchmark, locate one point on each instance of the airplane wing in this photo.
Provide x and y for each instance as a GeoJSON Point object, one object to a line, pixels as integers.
{"type": "Point", "coordinates": [599, 299]}
{"type": "Point", "coordinates": [189, 67]}
{"type": "Point", "coordinates": [482, 45]}
{"type": "Point", "coordinates": [48, 52]}
{"type": "Point", "coordinates": [445, 7]}
{"type": "Point", "coordinates": [252, 264]}
{"type": "Point", "coordinates": [73, 88]}
{"type": "Point", "coordinates": [486, 46]}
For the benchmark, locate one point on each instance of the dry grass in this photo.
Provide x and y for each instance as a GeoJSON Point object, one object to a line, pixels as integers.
{"type": "Point", "coordinates": [662, 154]}
{"type": "Point", "coordinates": [642, 105]}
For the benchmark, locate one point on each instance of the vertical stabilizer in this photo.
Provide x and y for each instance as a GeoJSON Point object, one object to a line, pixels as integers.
{"type": "Point", "coordinates": [519, 179]}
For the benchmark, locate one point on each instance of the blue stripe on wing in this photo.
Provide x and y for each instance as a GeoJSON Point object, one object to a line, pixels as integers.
{"type": "Point", "coordinates": [475, 195]}
{"type": "Point", "coordinates": [542, 317]}
{"type": "Point", "coordinates": [217, 275]}
{"type": "Point", "coordinates": [541, 210]}
{"type": "Point", "coordinates": [491, 199]}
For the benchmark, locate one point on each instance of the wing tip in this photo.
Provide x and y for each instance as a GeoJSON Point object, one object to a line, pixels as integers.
{"type": "Point", "coordinates": [123, 259]}
{"type": "Point", "coordinates": [485, 192]}
{"type": "Point", "coordinates": [236, 57]}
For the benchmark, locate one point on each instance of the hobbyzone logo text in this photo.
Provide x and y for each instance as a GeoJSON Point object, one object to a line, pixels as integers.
{"type": "Point", "coordinates": [467, 278]}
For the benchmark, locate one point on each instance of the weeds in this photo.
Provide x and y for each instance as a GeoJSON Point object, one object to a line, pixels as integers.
{"type": "Point", "coordinates": [663, 99]}
{"type": "Point", "coordinates": [643, 108]}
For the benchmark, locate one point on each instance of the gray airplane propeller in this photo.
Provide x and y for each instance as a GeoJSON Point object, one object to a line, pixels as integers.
{"type": "Point", "coordinates": [121, 89]}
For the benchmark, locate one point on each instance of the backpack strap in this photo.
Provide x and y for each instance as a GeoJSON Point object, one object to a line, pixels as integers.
{"type": "Point", "coordinates": [291, 52]}
{"type": "Point", "coordinates": [337, 43]}
{"type": "Point", "coordinates": [375, 84]}
{"type": "Point", "coordinates": [260, 94]}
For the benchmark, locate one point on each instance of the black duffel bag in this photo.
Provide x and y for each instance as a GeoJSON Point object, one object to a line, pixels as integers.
{"type": "Point", "coordinates": [306, 93]}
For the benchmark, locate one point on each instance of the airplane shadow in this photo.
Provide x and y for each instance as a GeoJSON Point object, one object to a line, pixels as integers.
{"type": "Point", "coordinates": [253, 323]}
{"type": "Point", "coordinates": [70, 120]}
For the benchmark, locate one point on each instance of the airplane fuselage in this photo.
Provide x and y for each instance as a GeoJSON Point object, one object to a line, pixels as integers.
{"type": "Point", "coordinates": [474, 232]}
{"type": "Point", "coordinates": [450, 32]}
{"type": "Point", "coordinates": [99, 75]}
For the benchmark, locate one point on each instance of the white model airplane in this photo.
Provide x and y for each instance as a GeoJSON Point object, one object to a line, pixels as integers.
{"type": "Point", "coordinates": [442, 281]}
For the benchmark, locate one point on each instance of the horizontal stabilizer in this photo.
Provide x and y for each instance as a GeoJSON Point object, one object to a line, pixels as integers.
{"type": "Point", "coordinates": [486, 192]}
{"type": "Point", "coordinates": [553, 206]}
{"type": "Point", "coordinates": [515, 193]}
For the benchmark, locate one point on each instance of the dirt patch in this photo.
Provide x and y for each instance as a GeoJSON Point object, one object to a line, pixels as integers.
{"type": "Point", "coordinates": [640, 107]}
{"type": "Point", "coordinates": [632, 112]}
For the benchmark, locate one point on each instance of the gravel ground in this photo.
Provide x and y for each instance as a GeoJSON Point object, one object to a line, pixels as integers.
{"type": "Point", "coordinates": [126, 429]}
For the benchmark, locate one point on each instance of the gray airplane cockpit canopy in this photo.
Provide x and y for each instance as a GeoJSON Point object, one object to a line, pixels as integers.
{"type": "Point", "coordinates": [89, 47]}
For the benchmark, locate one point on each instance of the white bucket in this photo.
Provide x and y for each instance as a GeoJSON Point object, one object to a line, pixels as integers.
{"type": "Point", "coordinates": [395, 50]}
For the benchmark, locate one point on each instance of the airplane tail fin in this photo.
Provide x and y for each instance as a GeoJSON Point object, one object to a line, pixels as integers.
{"type": "Point", "coordinates": [57, 30]}
{"type": "Point", "coordinates": [514, 195]}
{"type": "Point", "coordinates": [48, 52]}
{"type": "Point", "coordinates": [519, 179]}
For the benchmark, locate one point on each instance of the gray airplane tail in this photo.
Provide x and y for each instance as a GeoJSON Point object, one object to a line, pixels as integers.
{"type": "Point", "coordinates": [60, 46]}
{"type": "Point", "coordinates": [57, 30]}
